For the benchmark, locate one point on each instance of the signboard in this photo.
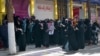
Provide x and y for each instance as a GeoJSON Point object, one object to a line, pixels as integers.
{"type": "Point", "coordinates": [44, 9]}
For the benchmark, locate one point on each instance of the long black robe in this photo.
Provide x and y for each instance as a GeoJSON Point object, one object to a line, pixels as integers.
{"type": "Point", "coordinates": [20, 38]}
{"type": "Point", "coordinates": [65, 37]}
{"type": "Point", "coordinates": [45, 35]}
{"type": "Point", "coordinates": [62, 27]}
{"type": "Point", "coordinates": [29, 34]}
{"type": "Point", "coordinates": [37, 34]}
{"type": "Point", "coordinates": [80, 35]}
{"type": "Point", "coordinates": [72, 39]}
{"type": "Point", "coordinates": [56, 32]}
{"type": "Point", "coordinates": [88, 33]}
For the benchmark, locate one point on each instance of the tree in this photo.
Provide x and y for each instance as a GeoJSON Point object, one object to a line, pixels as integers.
{"type": "Point", "coordinates": [11, 31]}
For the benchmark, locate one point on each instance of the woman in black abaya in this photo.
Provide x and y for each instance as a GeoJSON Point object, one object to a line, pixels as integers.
{"type": "Point", "coordinates": [20, 38]}
{"type": "Point", "coordinates": [73, 46]}
{"type": "Point", "coordinates": [80, 35]}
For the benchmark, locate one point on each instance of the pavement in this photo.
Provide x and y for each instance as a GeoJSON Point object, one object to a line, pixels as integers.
{"type": "Point", "coordinates": [3, 53]}
{"type": "Point", "coordinates": [29, 48]}
{"type": "Point", "coordinates": [92, 50]}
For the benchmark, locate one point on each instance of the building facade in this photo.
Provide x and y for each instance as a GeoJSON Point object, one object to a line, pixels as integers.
{"type": "Point", "coordinates": [51, 9]}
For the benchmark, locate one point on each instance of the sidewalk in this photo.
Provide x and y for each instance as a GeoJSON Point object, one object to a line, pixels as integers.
{"type": "Point", "coordinates": [28, 49]}
{"type": "Point", "coordinates": [3, 53]}
{"type": "Point", "coordinates": [57, 51]}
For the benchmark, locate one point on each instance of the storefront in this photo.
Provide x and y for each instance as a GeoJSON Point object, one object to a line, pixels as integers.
{"type": "Point", "coordinates": [77, 10]}
{"type": "Point", "coordinates": [44, 9]}
{"type": "Point", "coordinates": [98, 15]}
{"type": "Point", "coordinates": [51, 9]}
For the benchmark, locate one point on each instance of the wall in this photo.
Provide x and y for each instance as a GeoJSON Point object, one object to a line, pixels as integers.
{"type": "Point", "coordinates": [98, 15]}
{"type": "Point", "coordinates": [44, 9]}
{"type": "Point", "coordinates": [93, 14]}
{"type": "Point", "coordinates": [81, 14]}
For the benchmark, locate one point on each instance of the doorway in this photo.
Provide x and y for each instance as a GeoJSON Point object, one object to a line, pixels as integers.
{"type": "Point", "coordinates": [76, 12]}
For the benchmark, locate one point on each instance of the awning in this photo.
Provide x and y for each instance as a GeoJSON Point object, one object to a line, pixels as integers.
{"type": "Point", "coordinates": [92, 1]}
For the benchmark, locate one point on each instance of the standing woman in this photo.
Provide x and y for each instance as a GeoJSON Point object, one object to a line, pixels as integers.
{"type": "Point", "coordinates": [29, 25]}
{"type": "Point", "coordinates": [80, 35]}
{"type": "Point", "coordinates": [45, 34]}
{"type": "Point", "coordinates": [71, 37]}
{"type": "Point", "coordinates": [62, 27]}
{"type": "Point", "coordinates": [42, 31]}
{"type": "Point", "coordinates": [21, 40]}
{"type": "Point", "coordinates": [37, 34]}
{"type": "Point", "coordinates": [88, 32]}
{"type": "Point", "coordinates": [51, 32]}
{"type": "Point", "coordinates": [56, 32]}
{"type": "Point", "coordinates": [76, 30]}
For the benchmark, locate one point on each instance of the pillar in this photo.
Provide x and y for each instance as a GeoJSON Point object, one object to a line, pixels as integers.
{"type": "Point", "coordinates": [70, 10]}
{"type": "Point", "coordinates": [85, 10]}
{"type": "Point", "coordinates": [32, 6]}
{"type": "Point", "coordinates": [2, 10]}
{"type": "Point", "coordinates": [55, 9]}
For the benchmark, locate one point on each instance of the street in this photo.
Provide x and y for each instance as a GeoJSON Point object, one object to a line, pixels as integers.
{"type": "Point", "coordinates": [92, 50]}
{"type": "Point", "coordinates": [57, 51]}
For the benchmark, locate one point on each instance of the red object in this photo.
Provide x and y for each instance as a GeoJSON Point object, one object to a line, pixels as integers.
{"type": "Point", "coordinates": [76, 12]}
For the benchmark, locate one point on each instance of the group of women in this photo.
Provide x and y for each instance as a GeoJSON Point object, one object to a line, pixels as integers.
{"type": "Point", "coordinates": [72, 35]}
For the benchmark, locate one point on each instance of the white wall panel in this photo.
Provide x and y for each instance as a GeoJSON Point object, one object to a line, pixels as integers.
{"type": "Point", "coordinates": [44, 9]}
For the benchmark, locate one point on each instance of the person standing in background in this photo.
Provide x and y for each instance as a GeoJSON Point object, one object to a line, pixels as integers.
{"type": "Point", "coordinates": [21, 40]}
{"type": "Point", "coordinates": [37, 34]}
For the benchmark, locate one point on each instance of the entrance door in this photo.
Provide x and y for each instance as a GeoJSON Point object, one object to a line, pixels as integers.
{"type": "Point", "coordinates": [76, 12]}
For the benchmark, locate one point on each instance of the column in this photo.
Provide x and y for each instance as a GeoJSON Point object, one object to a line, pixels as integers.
{"type": "Point", "coordinates": [32, 6]}
{"type": "Point", "coordinates": [2, 10]}
{"type": "Point", "coordinates": [55, 9]}
{"type": "Point", "coordinates": [70, 10]}
{"type": "Point", "coordinates": [85, 10]}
